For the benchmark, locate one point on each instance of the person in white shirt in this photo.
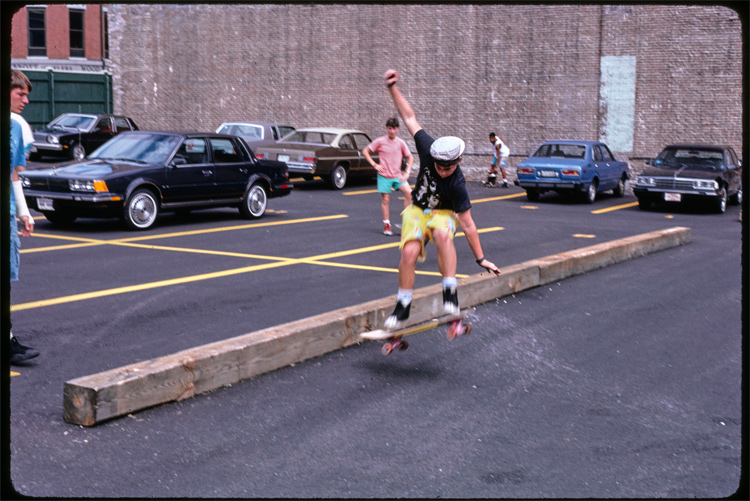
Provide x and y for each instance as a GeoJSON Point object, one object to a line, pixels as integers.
{"type": "Point", "coordinates": [500, 154]}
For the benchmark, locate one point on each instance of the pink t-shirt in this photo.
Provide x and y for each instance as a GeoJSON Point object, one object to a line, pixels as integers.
{"type": "Point", "coordinates": [390, 154]}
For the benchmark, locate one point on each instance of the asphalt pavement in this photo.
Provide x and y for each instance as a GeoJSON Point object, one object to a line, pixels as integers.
{"type": "Point", "coordinates": [623, 382]}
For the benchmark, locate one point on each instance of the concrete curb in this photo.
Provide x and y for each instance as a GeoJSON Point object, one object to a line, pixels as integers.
{"type": "Point", "coordinates": [89, 400]}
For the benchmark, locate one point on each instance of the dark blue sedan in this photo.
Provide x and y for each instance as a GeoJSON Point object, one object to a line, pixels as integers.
{"type": "Point", "coordinates": [567, 166]}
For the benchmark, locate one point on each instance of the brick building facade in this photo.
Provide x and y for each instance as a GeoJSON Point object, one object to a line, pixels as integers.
{"type": "Point", "coordinates": [53, 48]}
{"type": "Point", "coordinates": [637, 76]}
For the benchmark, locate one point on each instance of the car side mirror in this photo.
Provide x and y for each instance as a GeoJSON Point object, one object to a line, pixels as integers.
{"type": "Point", "coordinates": [178, 161]}
{"type": "Point", "coordinates": [649, 162]}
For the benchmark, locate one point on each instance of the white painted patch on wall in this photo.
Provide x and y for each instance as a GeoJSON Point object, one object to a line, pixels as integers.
{"type": "Point", "coordinates": [617, 101]}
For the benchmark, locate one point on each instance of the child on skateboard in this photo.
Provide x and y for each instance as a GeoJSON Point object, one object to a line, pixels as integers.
{"type": "Point", "coordinates": [439, 201]}
{"type": "Point", "coordinates": [500, 154]}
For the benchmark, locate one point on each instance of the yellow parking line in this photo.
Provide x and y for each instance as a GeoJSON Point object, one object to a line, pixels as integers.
{"type": "Point", "coordinates": [93, 241]}
{"type": "Point", "coordinates": [366, 192]}
{"type": "Point", "coordinates": [504, 197]}
{"type": "Point", "coordinates": [279, 261]}
{"type": "Point", "coordinates": [616, 207]}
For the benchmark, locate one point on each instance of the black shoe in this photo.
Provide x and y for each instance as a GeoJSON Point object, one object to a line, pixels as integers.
{"type": "Point", "coordinates": [19, 352]}
{"type": "Point", "coordinates": [398, 317]}
{"type": "Point", "coordinates": [450, 301]}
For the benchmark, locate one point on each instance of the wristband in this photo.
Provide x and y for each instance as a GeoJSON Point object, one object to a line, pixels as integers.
{"type": "Point", "coordinates": [480, 260]}
{"type": "Point", "coordinates": [21, 207]}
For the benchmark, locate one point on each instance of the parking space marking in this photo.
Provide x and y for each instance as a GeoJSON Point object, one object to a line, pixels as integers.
{"type": "Point", "coordinates": [367, 192]}
{"type": "Point", "coordinates": [582, 235]}
{"type": "Point", "coordinates": [616, 207]}
{"type": "Point", "coordinates": [92, 241]}
{"type": "Point", "coordinates": [529, 207]}
{"type": "Point", "coordinates": [278, 262]}
{"type": "Point", "coordinates": [14, 373]}
{"type": "Point", "coordinates": [504, 197]}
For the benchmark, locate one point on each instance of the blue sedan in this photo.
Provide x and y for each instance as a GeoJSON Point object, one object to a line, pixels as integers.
{"type": "Point", "coordinates": [567, 166]}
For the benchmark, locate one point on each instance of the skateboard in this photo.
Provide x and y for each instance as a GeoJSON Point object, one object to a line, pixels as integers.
{"type": "Point", "coordinates": [394, 337]}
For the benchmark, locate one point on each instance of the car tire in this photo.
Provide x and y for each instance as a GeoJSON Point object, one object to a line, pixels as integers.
{"type": "Point", "coordinates": [721, 202]}
{"type": "Point", "coordinates": [337, 179]}
{"type": "Point", "coordinates": [644, 203]}
{"type": "Point", "coordinates": [255, 202]}
{"type": "Point", "coordinates": [60, 218]}
{"type": "Point", "coordinates": [141, 210]}
{"type": "Point", "coordinates": [77, 152]}
{"type": "Point", "coordinates": [532, 195]}
{"type": "Point", "coordinates": [737, 197]}
{"type": "Point", "coordinates": [590, 193]}
{"type": "Point", "coordinates": [619, 190]}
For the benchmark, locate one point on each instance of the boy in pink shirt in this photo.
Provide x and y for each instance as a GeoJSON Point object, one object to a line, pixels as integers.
{"type": "Point", "coordinates": [391, 150]}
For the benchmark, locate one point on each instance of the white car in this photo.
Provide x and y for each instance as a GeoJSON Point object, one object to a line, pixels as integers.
{"type": "Point", "coordinates": [256, 133]}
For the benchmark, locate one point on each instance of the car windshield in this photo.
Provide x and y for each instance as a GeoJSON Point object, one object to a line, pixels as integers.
{"type": "Point", "coordinates": [694, 158]}
{"type": "Point", "coordinates": [79, 122]}
{"type": "Point", "coordinates": [138, 147]}
{"type": "Point", "coordinates": [309, 136]}
{"type": "Point", "coordinates": [243, 130]}
{"type": "Point", "coordinates": [563, 150]}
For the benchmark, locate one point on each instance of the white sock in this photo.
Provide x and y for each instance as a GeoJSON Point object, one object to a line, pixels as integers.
{"type": "Point", "coordinates": [404, 296]}
{"type": "Point", "coordinates": [450, 282]}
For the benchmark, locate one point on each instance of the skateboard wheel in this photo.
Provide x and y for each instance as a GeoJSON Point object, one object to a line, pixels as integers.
{"type": "Point", "coordinates": [467, 330]}
{"type": "Point", "coordinates": [404, 345]}
{"type": "Point", "coordinates": [387, 349]}
{"type": "Point", "coordinates": [451, 335]}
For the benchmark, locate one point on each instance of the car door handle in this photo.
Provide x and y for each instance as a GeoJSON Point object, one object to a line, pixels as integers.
{"type": "Point", "coordinates": [207, 173]}
{"type": "Point", "coordinates": [243, 170]}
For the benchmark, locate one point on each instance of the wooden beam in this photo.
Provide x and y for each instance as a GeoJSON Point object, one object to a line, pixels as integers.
{"type": "Point", "coordinates": [89, 400]}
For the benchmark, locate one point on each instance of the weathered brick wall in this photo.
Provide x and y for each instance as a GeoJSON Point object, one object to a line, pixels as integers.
{"type": "Point", "coordinates": [529, 73]}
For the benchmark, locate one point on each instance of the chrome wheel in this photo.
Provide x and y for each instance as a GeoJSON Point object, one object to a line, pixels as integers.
{"type": "Point", "coordinates": [591, 192]}
{"type": "Point", "coordinates": [619, 190]}
{"type": "Point", "coordinates": [78, 152]}
{"type": "Point", "coordinates": [141, 210]}
{"type": "Point", "coordinates": [255, 202]}
{"type": "Point", "coordinates": [721, 202]}
{"type": "Point", "coordinates": [338, 177]}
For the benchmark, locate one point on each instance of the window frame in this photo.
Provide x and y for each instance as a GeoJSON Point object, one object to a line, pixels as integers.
{"type": "Point", "coordinates": [36, 50]}
{"type": "Point", "coordinates": [77, 52]}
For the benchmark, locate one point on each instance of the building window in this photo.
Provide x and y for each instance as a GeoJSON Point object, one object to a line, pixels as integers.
{"type": "Point", "coordinates": [37, 32]}
{"type": "Point", "coordinates": [77, 48]}
{"type": "Point", "coordinates": [105, 33]}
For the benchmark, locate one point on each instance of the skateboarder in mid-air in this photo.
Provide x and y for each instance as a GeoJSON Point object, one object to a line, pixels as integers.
{"type": "Point", "coordinates": [439, 201]}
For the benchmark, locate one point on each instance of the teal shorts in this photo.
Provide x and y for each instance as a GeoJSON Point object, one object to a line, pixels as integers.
{"type": "Point", "coordinates": [386, 184]}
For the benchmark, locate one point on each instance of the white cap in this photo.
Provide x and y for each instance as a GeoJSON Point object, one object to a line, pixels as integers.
{"type": "Point", "coordinates": [447, 148]}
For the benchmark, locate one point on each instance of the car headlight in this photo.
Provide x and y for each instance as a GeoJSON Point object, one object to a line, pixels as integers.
{"type": "Point", "coordinates": [645, 181]}
{"type": "Point", "coordinates": [701, 184]}
{"type": "Point", "coordinates": [25, 182]}
{"type": "Point", "coordinates": [88, 186]}
{"type": "Point", "coordinates": [53, 139]}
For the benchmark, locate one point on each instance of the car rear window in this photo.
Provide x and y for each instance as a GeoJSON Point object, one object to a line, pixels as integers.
{"type": "Point", "coordinates": [551, 150]}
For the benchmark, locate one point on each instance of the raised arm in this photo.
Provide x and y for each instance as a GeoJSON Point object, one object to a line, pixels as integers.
{"type": "Point", "coordinates": [402, 105]}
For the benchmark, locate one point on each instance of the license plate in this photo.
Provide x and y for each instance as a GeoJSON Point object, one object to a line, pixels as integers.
{"type": "Point", "coordinates": [547, 173]}
{"type": "Point", "coordinates": [672, 197]}
{"type": "Point", "coordinates": [44, 204]}
{"type": "Point", "coordinates": [283, 158]}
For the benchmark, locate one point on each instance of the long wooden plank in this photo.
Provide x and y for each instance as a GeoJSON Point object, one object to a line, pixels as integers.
{"type": "Point", "coordinates": [91, 399]}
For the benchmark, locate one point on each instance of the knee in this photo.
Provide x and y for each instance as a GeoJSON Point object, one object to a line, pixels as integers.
{"type": "Point", "coordinates": [411, 251]}
{"type": "Point", "coordinates": [441, 238]}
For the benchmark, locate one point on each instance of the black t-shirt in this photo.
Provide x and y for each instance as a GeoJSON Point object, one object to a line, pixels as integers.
{"type": "Point", "coordinates": [432, 191]}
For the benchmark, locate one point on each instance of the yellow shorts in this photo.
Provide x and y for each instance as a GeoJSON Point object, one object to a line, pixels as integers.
{"type": "Point", "coordinates": [418, 224]}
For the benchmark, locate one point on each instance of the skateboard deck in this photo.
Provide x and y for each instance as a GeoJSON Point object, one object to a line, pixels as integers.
{"type": "Point", "coordinates": [457, 328]}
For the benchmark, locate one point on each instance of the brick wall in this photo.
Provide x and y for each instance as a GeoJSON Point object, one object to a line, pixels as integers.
{"type": "Point", "coordinates": [529, 73]}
